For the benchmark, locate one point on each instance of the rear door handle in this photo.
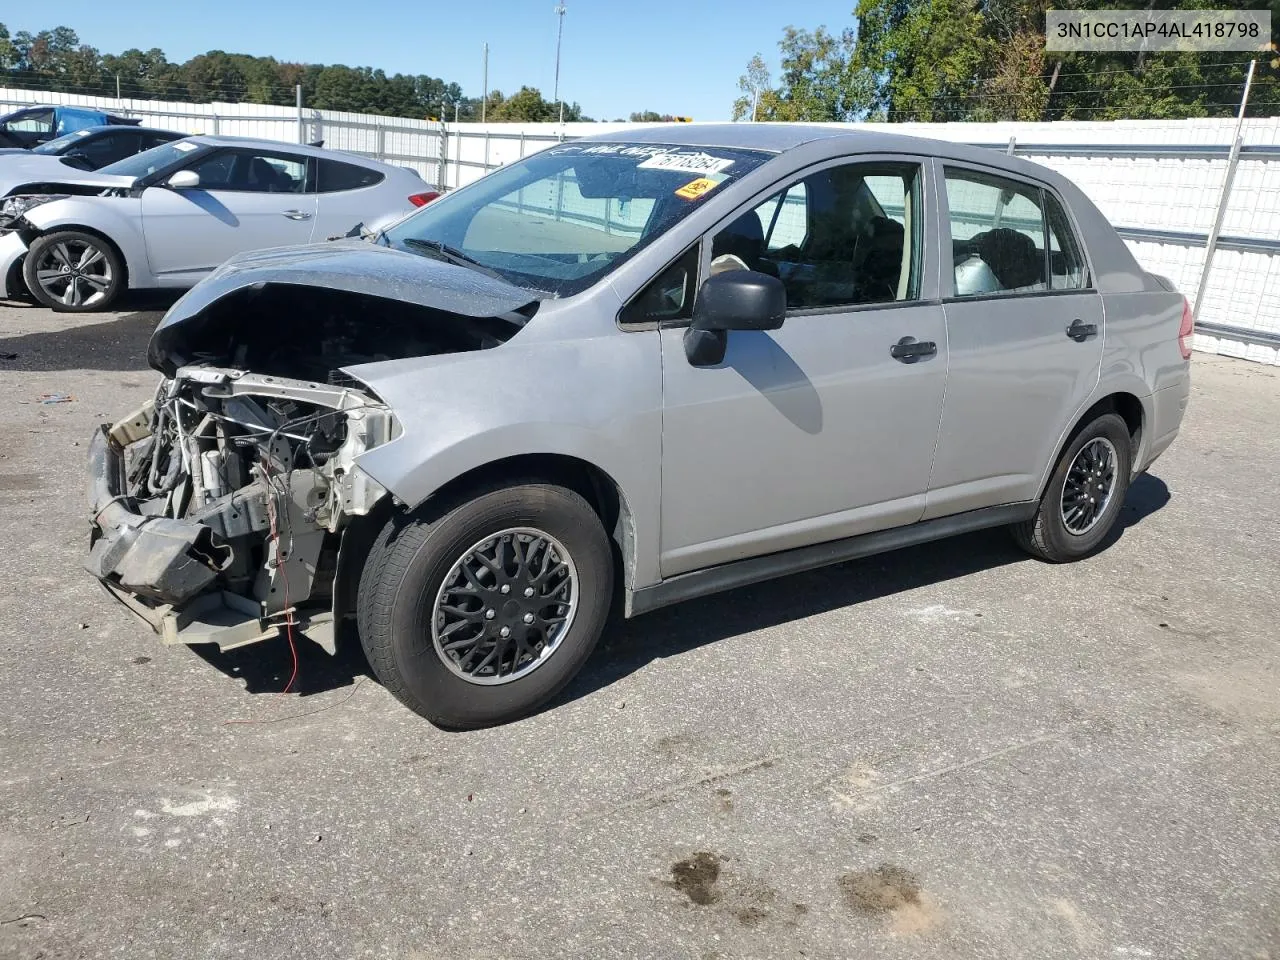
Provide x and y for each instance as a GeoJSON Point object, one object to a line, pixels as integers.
{"type": "Point", "coordinates": [1080, 331]}
{"type": "Point", "coordinates": [909, 349]}
{"type": "Point", "coordinates": [297, 215]}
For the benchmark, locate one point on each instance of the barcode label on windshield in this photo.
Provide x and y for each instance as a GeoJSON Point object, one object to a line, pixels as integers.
{"type": "Point", "coordinates": [686, 163]}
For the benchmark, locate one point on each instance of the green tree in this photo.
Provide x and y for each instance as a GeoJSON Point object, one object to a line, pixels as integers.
{"type": "Point", "coordinates": [820, 80]}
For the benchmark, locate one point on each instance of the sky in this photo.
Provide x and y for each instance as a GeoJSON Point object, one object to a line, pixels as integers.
{"type": "Point", "coordinates": [618, 56]}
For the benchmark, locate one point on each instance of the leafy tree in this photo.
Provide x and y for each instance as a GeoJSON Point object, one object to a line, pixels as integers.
{"type": "Point", "coordinates": [652, 116]}
{"type": "Point", "coordinates": [820, 80]}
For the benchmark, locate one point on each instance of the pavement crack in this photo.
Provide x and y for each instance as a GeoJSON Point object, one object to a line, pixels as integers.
{"type": "Point", "coordinates": [951, 768]}
{"type": "Point", "coordinates": [666, 794]}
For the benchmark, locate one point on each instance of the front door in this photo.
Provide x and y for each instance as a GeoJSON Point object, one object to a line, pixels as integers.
{"type": "Point", "coordinates": [824, 428]}
{"type": "Point", "coordinates": [1025, 328]}
{"type": "Point", "coordinates": [246, 199]}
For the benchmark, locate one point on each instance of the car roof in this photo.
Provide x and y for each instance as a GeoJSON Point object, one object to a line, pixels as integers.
{"type": "Point", "coordinates": [842, 139]}
{"type": "Point", "coordinates": [218, 140]}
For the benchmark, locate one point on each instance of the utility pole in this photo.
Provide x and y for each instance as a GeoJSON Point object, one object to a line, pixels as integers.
{"type": "Point", "coordinates": [1233, 160]}
{"type": "Point", "coordinates": [484, 97]}
{"type": "Point", "coordinates": [560, 11]}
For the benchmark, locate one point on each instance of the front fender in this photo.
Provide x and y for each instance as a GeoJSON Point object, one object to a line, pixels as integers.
{"type": "Point", "coordinates": [597, 400]}
{"type": "Point", "coordinates": [100, 215]}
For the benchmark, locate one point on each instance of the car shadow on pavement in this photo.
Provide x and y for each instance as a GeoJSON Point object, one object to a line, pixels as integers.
{"type": "Point", "coordinates": [116, 341]}
{"type": "Point", "coordinates": [628, 645]}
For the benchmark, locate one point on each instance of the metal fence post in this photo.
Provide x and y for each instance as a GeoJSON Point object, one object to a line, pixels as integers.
{"type": "Point", "coordinates": [486, 150]}
{"type": "Point", "coordinates": [442, 165]}
{"type": "Point", "coordinates": [302, 132]}
{"type": "Point", "coordinates": [215, 124]}
{"type": "Point", "coordinates": [521, 144]}
{"type": "Point", "coordinates": [382, 142]}
{"type": "Point", "coordinates": [1233, 161]}
{"type": "Point", "coordinates": [1013, 145]}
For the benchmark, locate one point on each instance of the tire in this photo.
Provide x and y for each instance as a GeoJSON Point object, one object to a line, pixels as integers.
{"type": "Point", "coordinates": [414, 581]}
{"type": "Point", "coordinates": [81, 272]}
{"type": "Point", "coordinates": [1059, 532]}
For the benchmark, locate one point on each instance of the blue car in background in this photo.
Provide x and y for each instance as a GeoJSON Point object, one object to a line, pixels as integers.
{"type": "Point", "coordinates": [32, 126]}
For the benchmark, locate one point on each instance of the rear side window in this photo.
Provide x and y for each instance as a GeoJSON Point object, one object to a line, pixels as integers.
{"type": "Point", "coordinates": [335, 176]}
{"type": "Point", "coordinates": [1009, 237]}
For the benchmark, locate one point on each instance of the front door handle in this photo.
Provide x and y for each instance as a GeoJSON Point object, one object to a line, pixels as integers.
{"type": "Point", "coordinates": [297, 215]}
{"type": "Point", "coordinates": [909, 349]}
{"type": "Point", "coordinates": [1079, 331]}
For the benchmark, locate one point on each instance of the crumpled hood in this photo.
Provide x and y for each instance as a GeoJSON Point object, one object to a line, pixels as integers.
{"type": "Point", "coordinates": [353, 266]}
{"type": "Point", "coordinates": [16, 172]}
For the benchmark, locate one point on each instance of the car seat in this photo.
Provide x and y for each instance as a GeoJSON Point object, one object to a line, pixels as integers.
{"type": "Point", "coordinates": [1012, 256]}
{"type": "Point", "coordinates": [878, 260]}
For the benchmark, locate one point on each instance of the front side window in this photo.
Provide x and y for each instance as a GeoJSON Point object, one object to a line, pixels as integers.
{"type": "Point", "coordinates": [31, 121]}
{"type": "Point", "coordinates": [998, 236]}
{"type": "Point", "coordinates": [251, 171]}
{"type": "Point", "coordinates": [560, 220]}
{"type": "Point", "coordinates": [843, 236]}
{"type": "Point", "coordinates": [108, 148]}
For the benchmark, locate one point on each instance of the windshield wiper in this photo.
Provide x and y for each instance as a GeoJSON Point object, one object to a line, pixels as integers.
{"type": "Point", "coordinates": [452, 255]}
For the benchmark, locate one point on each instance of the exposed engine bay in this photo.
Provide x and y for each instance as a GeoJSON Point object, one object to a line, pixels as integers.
{"type": "Point", "coordinates": [220, 506]}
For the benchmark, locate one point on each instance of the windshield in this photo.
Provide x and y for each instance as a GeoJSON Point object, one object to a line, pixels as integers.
{"type": "Point", "coordinates": [149, 161]}
{"type": "Point", "coordinates": [59, 144]}
{"type": "Point", "coordinates": [559, 220]}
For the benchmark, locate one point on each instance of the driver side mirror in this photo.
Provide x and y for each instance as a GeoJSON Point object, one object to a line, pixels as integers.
{"type": "Point", "coordinates": [183, 180]}
{"type": "Point", "coordinates": [735, 300]}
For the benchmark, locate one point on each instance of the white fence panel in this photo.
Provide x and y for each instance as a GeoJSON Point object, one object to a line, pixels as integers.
{"type": "Point", "coordinates": [1158, 181]}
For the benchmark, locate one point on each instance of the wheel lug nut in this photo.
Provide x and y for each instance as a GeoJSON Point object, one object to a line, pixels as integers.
{"type": "Point", "coordinates": [528, 591]}
{"type": "Point", "coordinates": [489, 614]}
{"type": "Point", "coordinates": [506, 588]}
{"type": "Point", "coordinates": [504, 632]}
{"type": "Point", "coordinates": [528, 618]}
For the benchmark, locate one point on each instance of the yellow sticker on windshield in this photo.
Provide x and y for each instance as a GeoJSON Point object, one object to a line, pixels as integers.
{"type": "Point", "coordinates": [696, 188]}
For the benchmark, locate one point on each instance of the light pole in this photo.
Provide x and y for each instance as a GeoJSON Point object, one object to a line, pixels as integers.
{"type": "Point", "coordinates": [560, 11]}
{"type": "Point", "coordinates": [484, 95]}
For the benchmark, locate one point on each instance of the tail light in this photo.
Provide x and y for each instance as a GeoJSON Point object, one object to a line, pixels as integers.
{"type": "Point", "coordinates": [1187, 330]}
{"type": "Point", "coordinates": [422, 199]}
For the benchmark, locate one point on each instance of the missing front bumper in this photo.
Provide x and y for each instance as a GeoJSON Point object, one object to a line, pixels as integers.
{"type": "Point", "coordinates": [162, 569]}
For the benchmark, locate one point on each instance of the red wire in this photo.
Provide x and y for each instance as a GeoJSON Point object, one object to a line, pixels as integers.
{"type": "Point", "coordinates": [284, 578]}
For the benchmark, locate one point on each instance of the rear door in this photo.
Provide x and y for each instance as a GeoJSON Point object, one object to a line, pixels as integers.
{"type": "Point", "coordinates": [247, 199]}
{"type": "Point", "coordinates": [1025, 329]}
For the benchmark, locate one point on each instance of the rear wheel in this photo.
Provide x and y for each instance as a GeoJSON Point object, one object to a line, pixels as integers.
{"type": "Point", "coordinates": [1084, 496]}
{"type": "Point", "coordinates": [481, 612]}
{"type": "Point", "coordinates": [73, 271]}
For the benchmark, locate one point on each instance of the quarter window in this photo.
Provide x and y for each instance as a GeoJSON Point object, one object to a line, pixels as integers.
{"type": "Point", "coordinates": [846, 235]}
{"type": "Point", "coordinates": [1066, 265]}
{"type": "Point", "coordinates": [335, 176]}
{"type": "Point", "coordinates": [1009, 237]}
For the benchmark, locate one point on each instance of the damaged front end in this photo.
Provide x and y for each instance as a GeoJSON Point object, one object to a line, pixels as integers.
{"type": "Point", "coordinates": [233, 504]}
{"type": "Point", "coordinates": [217, 508]}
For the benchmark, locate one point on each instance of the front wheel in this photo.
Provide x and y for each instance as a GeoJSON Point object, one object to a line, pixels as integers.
{"type": "Point", "coordinates": [1084, 496]}
{"type": "Point", "coordinates": [481, 612]}
{"type": "Point", "coordinates": [73, 271]}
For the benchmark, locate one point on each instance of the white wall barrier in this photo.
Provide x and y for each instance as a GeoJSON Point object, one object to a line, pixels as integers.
{"type": "Point", "coordinates": [1158, 181]}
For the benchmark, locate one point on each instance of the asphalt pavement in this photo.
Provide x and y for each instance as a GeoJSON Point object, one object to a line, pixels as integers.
{"type": "Point", "coordinates": [951, 751]}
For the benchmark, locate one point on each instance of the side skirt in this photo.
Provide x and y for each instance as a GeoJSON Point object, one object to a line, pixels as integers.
{"type": "Point", "coordinates": [741, 573]}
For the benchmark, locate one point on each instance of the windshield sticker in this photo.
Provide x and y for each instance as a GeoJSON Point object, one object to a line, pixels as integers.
{"type": "Point", "coordinates": [702, 163]}
{"type": "Point", "coordinates": [184, 146]}
{"type": "Point", "coordinates": [696, 188]}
